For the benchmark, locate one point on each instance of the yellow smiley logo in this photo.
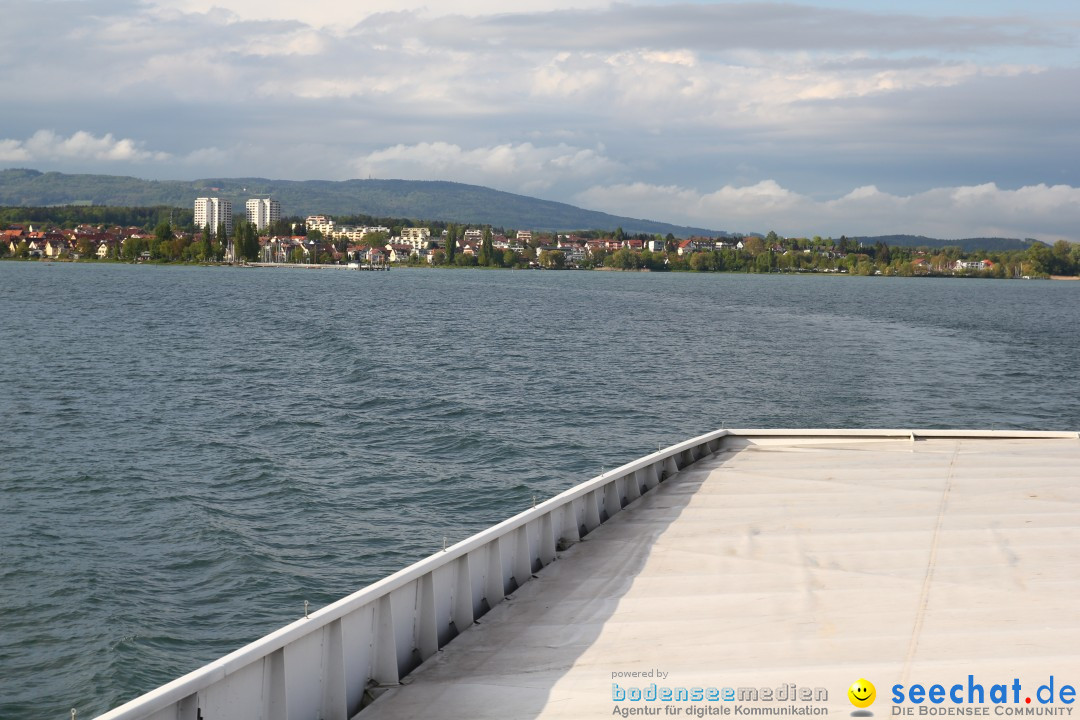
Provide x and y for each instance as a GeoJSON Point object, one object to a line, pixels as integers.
{"type": "Point", "coordinates": [862, 693]}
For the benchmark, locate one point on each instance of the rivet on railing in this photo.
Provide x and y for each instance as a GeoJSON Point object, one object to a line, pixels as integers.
{"type": "Point", "coordinates": [305, 608]}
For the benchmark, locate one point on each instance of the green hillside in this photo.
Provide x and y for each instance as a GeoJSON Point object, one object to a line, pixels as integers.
{"type": "Point", "coordinates": [419, 200]}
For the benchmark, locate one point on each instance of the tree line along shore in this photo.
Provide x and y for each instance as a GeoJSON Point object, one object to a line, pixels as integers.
{"type": "Point", "coordinates": [168, 235]}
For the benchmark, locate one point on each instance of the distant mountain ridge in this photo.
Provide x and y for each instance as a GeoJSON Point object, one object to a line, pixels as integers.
{"type": "Point", "coordinates": [990, 244]}
{"type": "Point", "coordinates": [425, 200]}
{"type": "Point", "coordinates": [413, 199]}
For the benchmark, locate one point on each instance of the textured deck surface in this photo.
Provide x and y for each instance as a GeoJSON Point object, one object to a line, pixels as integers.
{"type": "Point", "coordinates": [808, 563]}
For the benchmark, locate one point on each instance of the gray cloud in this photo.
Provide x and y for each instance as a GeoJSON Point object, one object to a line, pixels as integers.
{"type": "Point", "coordinates": [551, 103]}
{"type": "Point", "coordinates": [872, 64]}
{"type": "Point", "coordinates": [782, 27]}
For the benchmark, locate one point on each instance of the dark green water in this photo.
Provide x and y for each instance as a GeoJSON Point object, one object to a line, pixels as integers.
{"type": "Point", "coordinates": [190, 453]}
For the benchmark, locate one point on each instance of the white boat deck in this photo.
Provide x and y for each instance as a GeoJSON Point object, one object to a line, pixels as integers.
{"type": "Point", "coordinates": [811, 561]}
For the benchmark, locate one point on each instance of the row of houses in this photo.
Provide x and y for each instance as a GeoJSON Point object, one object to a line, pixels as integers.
{"type": "Point", "coordinates": [301, 249]}
{"type": "Point", "coordinates": [416, 242]}
{"type": "Point", "coordinates": [419, 239]}
{"type": "Point", "coordinates": [412, 242]}
{"type": "Point", "coordinates": [328, 229]}
{"type": "Point", "coordinates": [62, 243]}
{"type": "Point", "coordinates": [298, 248]}
{"type": "Point", "coordinates": [954, 266]}
{"type": "Point", "coordinates": [103, 242]}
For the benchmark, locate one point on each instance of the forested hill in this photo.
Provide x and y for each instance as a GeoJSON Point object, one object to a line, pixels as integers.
{"type": "Point", "coordinates": [421, 200]}
{"type": "Point", "coordinates": [416, 199]}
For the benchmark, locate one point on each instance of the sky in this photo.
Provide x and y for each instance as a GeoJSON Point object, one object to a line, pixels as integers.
{"type": "Point", "coordinates": [951, 118]}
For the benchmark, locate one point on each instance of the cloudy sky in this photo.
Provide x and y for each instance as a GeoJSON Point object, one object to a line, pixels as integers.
{"type": "Point", "coordinates": [949, 118]}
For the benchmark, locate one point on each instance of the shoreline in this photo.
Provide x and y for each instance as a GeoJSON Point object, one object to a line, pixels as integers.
{"type": "Point", "coordinates": [405, 266]}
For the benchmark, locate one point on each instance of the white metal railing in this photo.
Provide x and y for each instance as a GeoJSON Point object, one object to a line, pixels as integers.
{"type": "Point", "coordinates": [325, 666]}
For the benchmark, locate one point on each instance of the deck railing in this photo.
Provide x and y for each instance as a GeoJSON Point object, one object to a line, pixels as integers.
{"type": "Point", "coordinates": [331, 664]}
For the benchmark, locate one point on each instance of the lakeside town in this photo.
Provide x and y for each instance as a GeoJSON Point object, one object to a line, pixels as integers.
{"type": "Point", "coordinates": [261, 236]}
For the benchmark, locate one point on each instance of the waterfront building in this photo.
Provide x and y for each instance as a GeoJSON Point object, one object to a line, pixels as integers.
{"type": "Point", "coordinates": [213, 211]}
{"type": "Point", "coordinates": [400, 252]}
{"type": "Point", "coordinates": [416, 238]}
{"type": "Point", "coordinates": [263, 212]}
{"type": "Point", "coordinates": [322, 223]}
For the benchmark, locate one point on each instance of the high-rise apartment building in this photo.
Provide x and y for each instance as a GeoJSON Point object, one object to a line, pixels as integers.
{"type": "Point", "coordinates": [263, 212]}
{"type": "Point", "coordinates": [213, 212]}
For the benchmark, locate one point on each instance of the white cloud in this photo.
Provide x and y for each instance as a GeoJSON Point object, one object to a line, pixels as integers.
{"type": "Point", "coordinates": [13, 151]}
{"type": "Point", "coordinates": [1040, 211]}
{"type": "Point", "coordinates": [522, 166]}
{"type": "Point", "coordinates": [698, 89]}
{"type": "Point", "coordinates": [302, 41]}
{"type": "Point", "coordinates": [47, 145]}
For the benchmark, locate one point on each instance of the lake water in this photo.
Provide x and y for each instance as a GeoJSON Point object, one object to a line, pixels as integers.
{"type": "Point", "coordinates": [190, 453]}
